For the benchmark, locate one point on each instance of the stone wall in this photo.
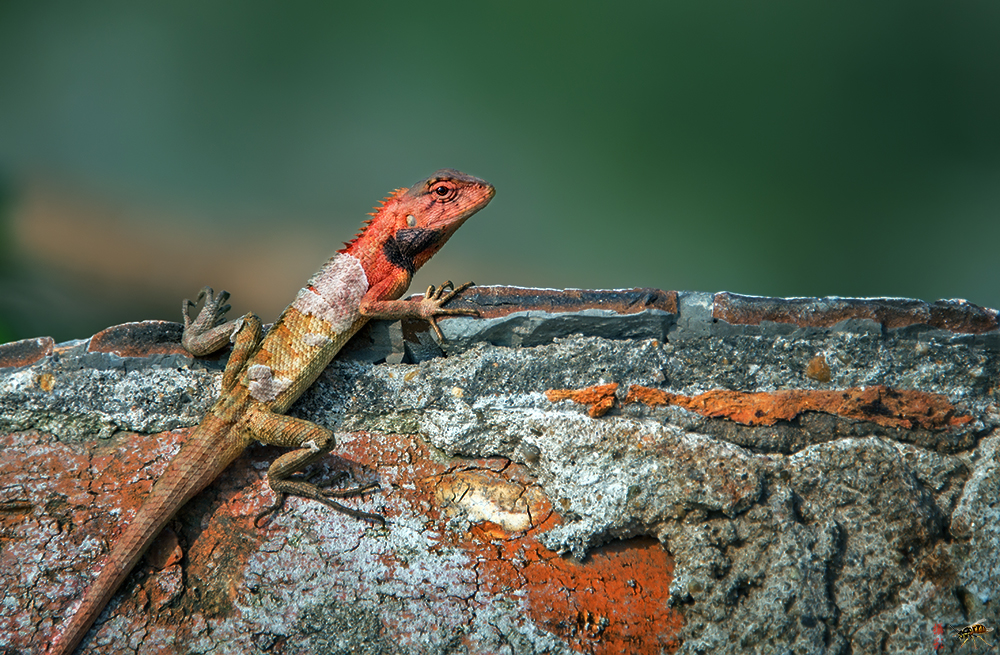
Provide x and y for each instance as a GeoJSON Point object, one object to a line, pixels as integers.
{"type": "Point", "coordinates": [598, 471]}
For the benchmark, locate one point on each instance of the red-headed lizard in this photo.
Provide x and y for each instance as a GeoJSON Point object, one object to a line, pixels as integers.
{"type": "Point", "coordinates": [264, 376]}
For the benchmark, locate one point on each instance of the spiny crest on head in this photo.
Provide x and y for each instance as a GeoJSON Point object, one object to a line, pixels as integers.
{"type": "Point", "coordinates": [388, 201]}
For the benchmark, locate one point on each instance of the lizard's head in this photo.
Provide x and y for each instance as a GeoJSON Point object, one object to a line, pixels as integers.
{"type": "Point", "coordinates": [444, 200]}
{"type": "Point", "coordinates": [412, 224]}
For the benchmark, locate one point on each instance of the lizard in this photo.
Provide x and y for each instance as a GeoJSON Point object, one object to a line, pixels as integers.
{"type": "Point", "coordinates": [265, 374]}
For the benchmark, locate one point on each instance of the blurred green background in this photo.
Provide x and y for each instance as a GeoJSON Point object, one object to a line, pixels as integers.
{"type": "Point", "coordinates": [147, 149]}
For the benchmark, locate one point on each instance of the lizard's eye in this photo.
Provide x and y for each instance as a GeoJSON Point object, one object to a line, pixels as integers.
{"type": "Point", "coordinates": [443, 192]}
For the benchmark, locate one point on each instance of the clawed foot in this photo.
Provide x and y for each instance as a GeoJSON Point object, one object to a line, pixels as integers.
{"type": "Point", "coordinates": [211, 315]}
{"type": "Point", "coordinates": [202, 334]}
{"type": "Point", "coordinates": [432, 305]}
{"type": "Point", "coordinates": [309, 490]}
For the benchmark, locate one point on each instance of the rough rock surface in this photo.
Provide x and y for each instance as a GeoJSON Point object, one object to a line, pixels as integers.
{"type": "Point", "coordinates": [625, 471]}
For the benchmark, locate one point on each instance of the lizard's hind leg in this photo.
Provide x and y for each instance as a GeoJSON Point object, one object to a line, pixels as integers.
{"type": "Point", "coordinates": [311, 442]}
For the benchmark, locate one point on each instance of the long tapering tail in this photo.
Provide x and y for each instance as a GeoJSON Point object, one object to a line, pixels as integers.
{"type": "Point", "coordinates": [199, 461]}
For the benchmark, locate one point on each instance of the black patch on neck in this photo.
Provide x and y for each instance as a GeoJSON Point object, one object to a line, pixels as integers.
{"type": "Point", "coordinates": [407, 244]}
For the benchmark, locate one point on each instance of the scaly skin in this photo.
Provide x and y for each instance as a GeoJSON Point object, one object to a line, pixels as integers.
{"type": "Point", "coordinates": [265, 376]}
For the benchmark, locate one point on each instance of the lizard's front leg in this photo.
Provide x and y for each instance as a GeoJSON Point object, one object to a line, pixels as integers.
{"type": "Point", "coordinates": [429, 308]}
{"type": "Point", "coordinates": [209, 331]}
{"type": "Point", "coordinates": [311, 442]}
